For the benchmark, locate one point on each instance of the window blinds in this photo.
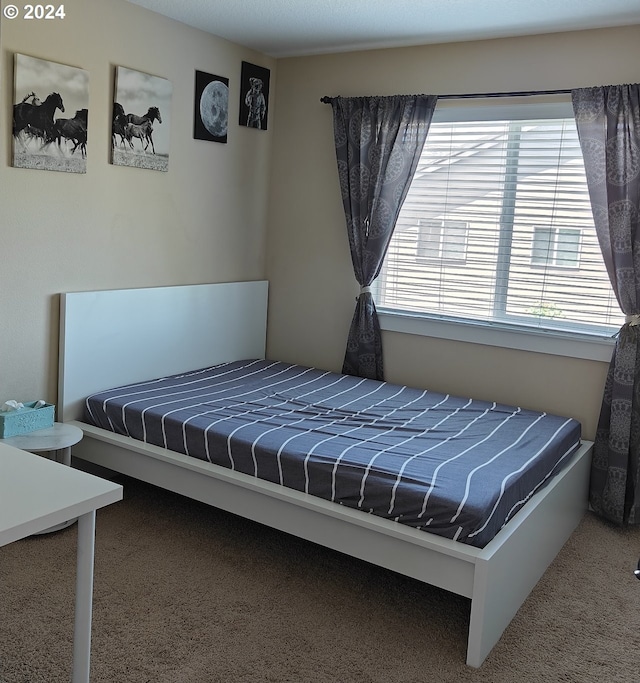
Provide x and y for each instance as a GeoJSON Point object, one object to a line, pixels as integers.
{"type": "Point", "coordinates": [497, 227]}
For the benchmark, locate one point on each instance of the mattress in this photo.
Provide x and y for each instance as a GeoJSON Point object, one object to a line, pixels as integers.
{"type": "Point", "coordinates": [456, 467]}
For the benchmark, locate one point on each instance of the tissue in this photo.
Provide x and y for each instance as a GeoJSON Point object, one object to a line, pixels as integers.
{"type": "Point", "coordinates": [8, 406]}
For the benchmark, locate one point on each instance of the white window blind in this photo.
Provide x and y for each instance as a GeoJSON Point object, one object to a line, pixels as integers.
{"type": "Point", "coordinates": [497, 227]}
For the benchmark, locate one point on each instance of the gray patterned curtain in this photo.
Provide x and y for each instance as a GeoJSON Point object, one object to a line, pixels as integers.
{"type": "Point", "coordinates": [608, 120]}
{"type": "Point", "coordinates": [378, 144]}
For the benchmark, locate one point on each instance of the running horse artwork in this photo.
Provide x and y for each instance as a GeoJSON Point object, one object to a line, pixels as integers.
{"type": "Point", "coordinates": [74, 130]}
{"type": "Point", "coordinates": [118, 125]}
{"type": "Point", "coordinates": [36, 118]}
{"type": "Point", "coordinates": [139, 98]}
{"type": "Point", "coordinates": [141, 127]}
{"type": "Point", "coordinates": [41, 140]}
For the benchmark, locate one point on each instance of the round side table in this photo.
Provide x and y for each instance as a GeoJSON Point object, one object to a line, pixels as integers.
{"type": "Point", "coordinates": [57, 442]}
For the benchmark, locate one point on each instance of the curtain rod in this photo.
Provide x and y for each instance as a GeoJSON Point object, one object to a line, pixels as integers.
{"type": "Point", "coordinates": [468, 96]}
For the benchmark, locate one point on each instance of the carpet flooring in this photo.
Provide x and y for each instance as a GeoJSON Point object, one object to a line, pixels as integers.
{"type": "Point", "coordinates": [185, 593]}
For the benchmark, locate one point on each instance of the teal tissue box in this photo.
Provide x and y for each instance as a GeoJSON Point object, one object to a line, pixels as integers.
{"type": "Point", "coordinates": [25, 420]}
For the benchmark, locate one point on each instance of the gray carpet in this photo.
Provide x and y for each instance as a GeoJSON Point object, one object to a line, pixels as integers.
{"type": "Point", "coordinates": [188, 594]}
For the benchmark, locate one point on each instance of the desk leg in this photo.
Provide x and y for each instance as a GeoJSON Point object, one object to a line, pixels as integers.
{"type": "Point", "coordinates": [65, 459]}
{"type": "Point", "coordinates": [84, 597]}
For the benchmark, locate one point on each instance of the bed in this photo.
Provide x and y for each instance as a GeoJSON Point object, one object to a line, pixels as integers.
{"type": "Point", "coordinates": [154, 337]}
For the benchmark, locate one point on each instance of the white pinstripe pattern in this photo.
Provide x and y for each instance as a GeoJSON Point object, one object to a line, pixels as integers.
{"type": "Point", "coordinates": [403, 443]}
{"type": "Point", "coordinates": [518, 504]}
{"type": "Point", "coordinates": [521, 469]}
{"type": "Point", "coordinates": [486, 463]}
{"type": "Point", "coordinates": [302, 419]}
{"type": "Point", "coordinates": [359, 443]}
{"type": "Point", "coordinates": [172, 392]}
{"type": "Point", "coordinates": [271, 417]}
{"type": "Point", "coordinates": [334, 436]}
{"type": "Point", "coordinates": [200, 400]}
{"type": "Point", "coordinates": [425, 451]}
{"type": "Point", "coordinates": [342, 438]}
{"type": "Point", "coordinates": [458, 455]}
{"type": "Point", "coordinates": [343, 419]}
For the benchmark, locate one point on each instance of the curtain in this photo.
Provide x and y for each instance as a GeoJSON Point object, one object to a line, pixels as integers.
{"type": "Point", "coordinates": [378, 143]}
{"type": "Point", "coordinates": [608, 120]}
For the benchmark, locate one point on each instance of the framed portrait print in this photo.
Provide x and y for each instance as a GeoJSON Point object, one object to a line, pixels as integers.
{"type": "Point", "coordinates": [254, 96]}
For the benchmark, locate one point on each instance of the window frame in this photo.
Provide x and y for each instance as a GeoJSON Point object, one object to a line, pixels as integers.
{"type": "Point", "coordinates": [446, 229]}
{"type": "Point", "coordinates": [550, 259]}
{"type": "Point", "coordinates": [593, 345]}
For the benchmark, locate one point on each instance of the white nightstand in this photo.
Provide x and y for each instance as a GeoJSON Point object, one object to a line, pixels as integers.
{"type": "Point", "coordinates": [56, 441]}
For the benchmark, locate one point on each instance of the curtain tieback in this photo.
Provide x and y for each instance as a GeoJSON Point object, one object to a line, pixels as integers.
{"type": "Point", "coordinates": [632, 320]}
{"type": "Point", "coordinates": [367, 290]}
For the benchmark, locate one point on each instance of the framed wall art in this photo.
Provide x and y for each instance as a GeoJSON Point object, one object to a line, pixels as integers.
{"type": "Point", "coordinates": [211, 107]}
{"type": "Point", "coordinates": [141, 122]}
{"type": "Point", "coordinates": [50, 116]}
{"type": "Point", "coordinates": [254, 96]}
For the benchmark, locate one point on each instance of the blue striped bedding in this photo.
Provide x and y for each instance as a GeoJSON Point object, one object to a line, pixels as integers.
{"type": "Point", "coordinates": [452, 466]}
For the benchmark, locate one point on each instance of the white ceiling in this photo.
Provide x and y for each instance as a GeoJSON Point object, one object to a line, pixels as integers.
{"type": "Point", "coordinates": [285, 28]}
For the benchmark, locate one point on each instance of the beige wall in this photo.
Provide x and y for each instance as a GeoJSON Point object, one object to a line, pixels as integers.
{"type": "Point", "coordinates": [221, 210]}
{"type": "Point", "coordinates": [114, 227]}
{"type": "Point", "coordinates": [312, 284]}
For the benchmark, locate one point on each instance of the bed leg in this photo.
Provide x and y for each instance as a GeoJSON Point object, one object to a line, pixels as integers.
{"type": "Point", "coordinates": [503, 579]}
{"type": "Point", "coordinates": [500, 587]}
{"type": "Point", "coordinates": [489, 616]}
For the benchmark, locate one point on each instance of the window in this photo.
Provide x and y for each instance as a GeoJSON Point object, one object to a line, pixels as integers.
{"type": "Point", "coordinates": [556, 247]}
{"type": "Point", "coordinates": [442, 240]}
{"type": "Point", "coordinates": [497, 229]}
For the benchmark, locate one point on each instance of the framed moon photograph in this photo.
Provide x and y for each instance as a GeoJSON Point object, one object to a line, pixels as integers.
{"type": "Point", "coordinates": [211, 107]}
{"type": "Point", "coordinates": [50, 116]}
{"type": "Point", "coordinates": [254, 96]}
{"type": "Point", "coordinates": [141, 122]}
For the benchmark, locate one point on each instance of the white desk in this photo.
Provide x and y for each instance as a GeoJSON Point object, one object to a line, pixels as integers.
{"type": "Point", "coordinates": [57, 442]}
{"type": "Point", "coordinates": [36, 493]}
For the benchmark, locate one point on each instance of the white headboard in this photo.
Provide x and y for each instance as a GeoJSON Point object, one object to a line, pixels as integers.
{"type": "Point", "coordinates": [115, 337]}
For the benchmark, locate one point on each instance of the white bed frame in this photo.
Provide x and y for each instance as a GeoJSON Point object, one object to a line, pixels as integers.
{"type": "Point", "coordinates": [110, 338]}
